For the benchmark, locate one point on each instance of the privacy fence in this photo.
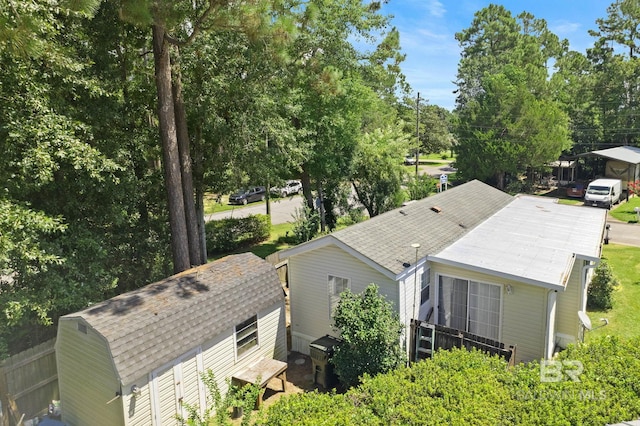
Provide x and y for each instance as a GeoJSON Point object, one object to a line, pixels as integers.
{"type": "Point", "coordinates": [28, 383]}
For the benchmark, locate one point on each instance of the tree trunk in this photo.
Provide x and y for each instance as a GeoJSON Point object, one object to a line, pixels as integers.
{"type": "Point", "coordinates": [306, 187]}
{"type": "Point", "coordinates": [185, 167]}
{"type": "Point", "coordinates": [198, 179]}
{"type": "Point", "coordinates": [170, 153]}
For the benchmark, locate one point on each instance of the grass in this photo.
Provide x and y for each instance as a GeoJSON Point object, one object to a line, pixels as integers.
{"type": "Point", "coordinates": [624, 317]}
{"type": "Point", "coordinates": [273, 244]}
{"type": "Point", "coordinates": [625, 213]}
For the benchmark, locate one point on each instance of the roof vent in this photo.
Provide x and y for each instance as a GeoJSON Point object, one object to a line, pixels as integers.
{"type": "Point", "coordinates": [436, 209]}
{"type": "Point", "coordinates": [82, 328]}
{"type": "Point", "coordinates": [402, 212]}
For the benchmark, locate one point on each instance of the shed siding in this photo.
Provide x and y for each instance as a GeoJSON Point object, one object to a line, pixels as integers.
{"type": "Point", "coordinates": [137, 410]}
{"type": "Point", "coordinates": [567, 322]}
{"type": "Point", "coordinates": [523, 320]}
{"type": "Point", "coordinates": [309, 297]}
{"type": "Point", "coordinates": [80, 356]}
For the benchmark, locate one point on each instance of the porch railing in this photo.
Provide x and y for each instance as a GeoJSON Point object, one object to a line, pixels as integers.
{"type": "Point", "coordinates": [430, 337]}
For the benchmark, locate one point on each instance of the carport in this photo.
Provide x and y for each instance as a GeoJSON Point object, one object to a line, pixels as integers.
{"type": "Point", "coordinates": [625, 164]}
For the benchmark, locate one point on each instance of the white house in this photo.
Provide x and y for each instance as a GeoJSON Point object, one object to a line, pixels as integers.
{"type": "Point", "coordinates": [136, 359]}
{"type": "Point", "coordinates": [512, 269]}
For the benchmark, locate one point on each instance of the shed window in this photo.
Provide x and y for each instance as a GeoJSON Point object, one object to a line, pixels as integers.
{"type": "Point", "coordinates": [469, 306]}
{"type": "Point", "coordinates": [82, 328]}
{"type": "Point", "coordinates": [336, 286]}
{"type": "Point", "coordinates": [246, 335]}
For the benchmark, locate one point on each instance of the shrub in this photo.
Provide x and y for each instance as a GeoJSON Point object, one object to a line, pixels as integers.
{"type": "Point", "coordinates": [461, 387]}
{"type": "Point", "coordinates": [370, 330]}
{"type": "Point", "coordinates": [227, 235]}
{"type": "Point", "coordinates": [421, 186]}
{"type": "Point", "coordinates": [306, 224]}
{"type": "Point", "coordinates": [600, 292]}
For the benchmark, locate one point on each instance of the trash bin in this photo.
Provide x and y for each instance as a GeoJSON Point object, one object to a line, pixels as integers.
{"type": "Point", "coordinates": [321, 351]}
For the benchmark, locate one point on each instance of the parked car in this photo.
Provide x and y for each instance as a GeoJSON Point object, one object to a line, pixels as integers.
{"type": "Point", "coordinates": [410, 160]}
{"type": "Point", "coordinates": [244, 196]}
{"type": "Point", "coordinates": [291, 187]}
{"type": "Point", "coordinates": [576, 190]}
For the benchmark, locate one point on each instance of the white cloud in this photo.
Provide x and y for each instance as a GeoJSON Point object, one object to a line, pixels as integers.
{"type": "Point", "coordinates": [436, 8]}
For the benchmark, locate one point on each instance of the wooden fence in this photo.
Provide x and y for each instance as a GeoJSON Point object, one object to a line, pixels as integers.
{"type": "Point", "coordinates": [28, 383]}
{"type": "Point", "coordinates": [431, 337]}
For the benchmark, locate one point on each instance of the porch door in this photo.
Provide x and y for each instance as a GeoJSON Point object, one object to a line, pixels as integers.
{"type": "Point", "coordinates": [469, 306]}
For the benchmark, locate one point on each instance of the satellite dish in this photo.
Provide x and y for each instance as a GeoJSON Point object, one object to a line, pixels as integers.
{"type": "Point", "coordinates": [584, 319]}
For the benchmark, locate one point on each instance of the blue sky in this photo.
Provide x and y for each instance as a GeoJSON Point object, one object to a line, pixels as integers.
{"type": "Point", "coordinates": [427, 29]}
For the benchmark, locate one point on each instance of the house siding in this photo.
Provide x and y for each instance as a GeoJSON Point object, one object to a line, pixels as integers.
{"type": "Point", "coordinates": [179, 378]}
{"type": "Point", "coordinates": [309, 297]}
{"type": "Point", "coordinates": [523, 320]}
{"type": "Point", "coordinates": [567, 322]}
{"type": "Point", "coordinates": [79, 356]}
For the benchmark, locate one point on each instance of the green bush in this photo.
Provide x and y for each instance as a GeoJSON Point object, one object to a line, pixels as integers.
{"type": "Point", "coordinates": [600, 292]}
{"type": "Point", "coordinates": [461, 387]}
{"type": "Point", "coordinates": [306, 224]}
{"type": "Point", "coordinates": [370, 331]}
{"type": "Point", "coordinates": [227, 235]}
{"type": "Point", "coordinates": [421, 186]}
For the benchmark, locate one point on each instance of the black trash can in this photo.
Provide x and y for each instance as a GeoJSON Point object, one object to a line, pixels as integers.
{"type": "Point", "coordinates": [321, 351]}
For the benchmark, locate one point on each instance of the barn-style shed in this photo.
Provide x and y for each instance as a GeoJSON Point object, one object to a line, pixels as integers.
{"type": "Point", "coordinates": [136, 359]}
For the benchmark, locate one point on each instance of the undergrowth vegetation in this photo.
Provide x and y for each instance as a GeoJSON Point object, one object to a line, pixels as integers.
{"type": "Point", "coordinates": [594, 383]}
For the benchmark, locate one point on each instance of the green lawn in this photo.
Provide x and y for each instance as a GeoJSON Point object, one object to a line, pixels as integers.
{"type": "Point", "coordinates": [624, 212]}
{"type": "Point", "coordinates": [624, 318]}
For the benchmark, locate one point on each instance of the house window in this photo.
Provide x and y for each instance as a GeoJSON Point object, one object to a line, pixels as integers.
{"type": "Point", "coordinates": [336, 286]}
{"type": "Point", "coordinates": [470, 306]}
{"type": "Point", "coordinates": [246, 335]}
{"type": "Point", "coordinates": [425, 286]}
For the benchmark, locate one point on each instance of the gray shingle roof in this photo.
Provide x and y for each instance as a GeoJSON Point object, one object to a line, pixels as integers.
{"type": "Point", "coordinates": [434, 222]}
{"type": "Point", "coordinates": [148, 327]}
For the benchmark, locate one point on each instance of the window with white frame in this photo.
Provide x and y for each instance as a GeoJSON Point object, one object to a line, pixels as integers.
{"type": "Point", "coordinates": [425, 286]}
{"type": "Point", "coordinates": [470, 306]}
{"type": "Point", "coordinates": [336, 286]}
{"type": "Point", "coordinates": [246, 335]}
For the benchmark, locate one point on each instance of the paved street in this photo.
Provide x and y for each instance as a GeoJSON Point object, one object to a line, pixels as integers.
{"type": "Point", "coordinates": [623, 233]}
{"type": "Point", "coordinates": [282, 210]}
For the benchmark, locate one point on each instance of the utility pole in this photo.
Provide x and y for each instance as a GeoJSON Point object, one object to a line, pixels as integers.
{"type": "Point", "coordinates": [417, 132]}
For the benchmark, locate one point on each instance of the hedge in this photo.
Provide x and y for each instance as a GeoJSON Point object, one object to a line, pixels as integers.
{"type": "Point", "coordinates": [227, 235]}
{"type": "Point", "coordinates": [461, 387]}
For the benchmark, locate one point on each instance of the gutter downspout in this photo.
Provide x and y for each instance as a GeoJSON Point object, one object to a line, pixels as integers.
{"type": "Point", "coordinates": [549, 341]}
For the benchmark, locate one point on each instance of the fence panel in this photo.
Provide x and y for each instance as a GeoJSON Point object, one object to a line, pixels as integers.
{"type": "Point", "coordinates": [28, 383]}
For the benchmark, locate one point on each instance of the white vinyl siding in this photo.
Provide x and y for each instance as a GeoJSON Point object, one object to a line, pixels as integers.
{"type": "Point", "coordinates": [78, 356]}
{"type": "Point", "coordinates": [568, 304]}
{"type": "Point", "coordinates": [523, 319]}
{"type": "Point", "coordinates": [308, 274]}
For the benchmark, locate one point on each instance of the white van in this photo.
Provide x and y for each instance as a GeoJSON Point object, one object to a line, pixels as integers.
{"type": "Point", "coordinates": [603, 193]}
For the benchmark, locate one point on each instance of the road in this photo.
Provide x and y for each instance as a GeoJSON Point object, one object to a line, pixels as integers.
{"type": "Point", "coordinates": [623, 233]}
{"type": "Point", "coordinates": [282, 210]}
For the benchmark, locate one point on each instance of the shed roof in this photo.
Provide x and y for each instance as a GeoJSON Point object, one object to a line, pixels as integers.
{"type": "Point", "coordinates": [533, 239]}
{"type": "Point", "coordinates": [150, 326]}
{"type": "Point", "coordinates": [433, 222]}
{"type": "Point", "coordinates": [628, 154]}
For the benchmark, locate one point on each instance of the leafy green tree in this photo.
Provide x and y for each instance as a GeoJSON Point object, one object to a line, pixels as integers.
{"type": "Point", "coordinates": [377, 170]}
{"type": "Point", "coordinates": [616, 69]}
{"type": "Point", "coordinates": [509, 121]}
{"type": "Point", "coordinates": [370, 331]}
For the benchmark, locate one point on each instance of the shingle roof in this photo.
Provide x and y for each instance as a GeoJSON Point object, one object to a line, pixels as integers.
{"type": "Point", "coordinates": [148, 327]}
{"type": "Point", "coordinates": [433, 222]}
